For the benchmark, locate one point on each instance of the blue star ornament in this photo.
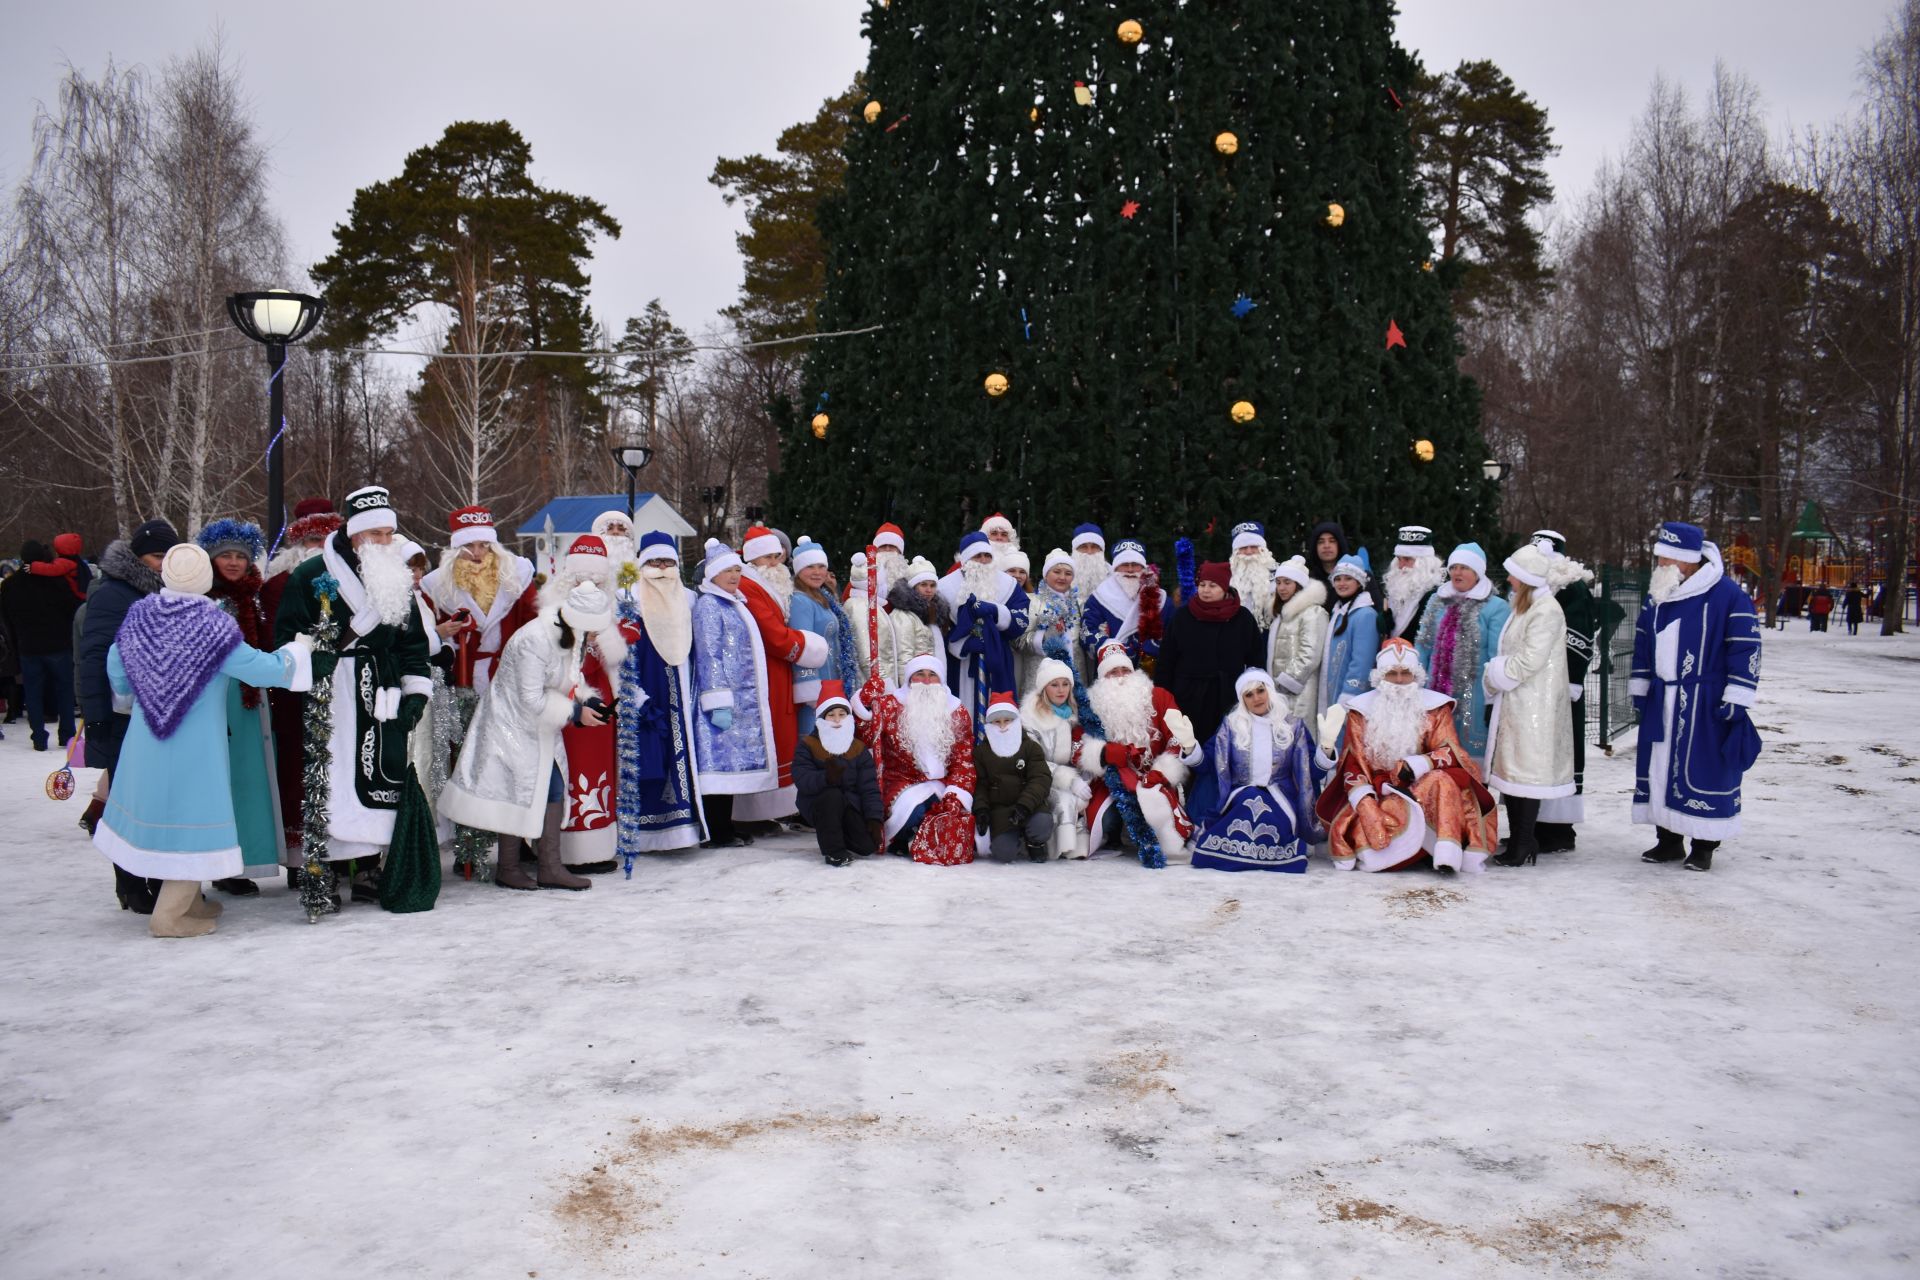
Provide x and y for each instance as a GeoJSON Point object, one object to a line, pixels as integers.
{"type": "Point", "coordinates": [1242, 305]}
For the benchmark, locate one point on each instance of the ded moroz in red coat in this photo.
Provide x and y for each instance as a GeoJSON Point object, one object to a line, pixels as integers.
{"type": "Point", "coordinates": [589, 830]}
{"type": "Point", "coordinates": [1159, 799]}
{"type": "Point", "coordinates": [786, 647]}
{"type": "Point", "coordinates": [945, 835]}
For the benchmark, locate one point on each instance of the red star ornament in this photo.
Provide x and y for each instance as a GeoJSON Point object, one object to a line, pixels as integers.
{"type": "Point", "coordinates": [1130, 208]}
{"type": "Point", "coordinates": [1395, 338]}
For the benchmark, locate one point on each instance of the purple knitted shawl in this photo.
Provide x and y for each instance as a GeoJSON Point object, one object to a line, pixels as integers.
{"type": "Point", "coordinates": [173, 647]}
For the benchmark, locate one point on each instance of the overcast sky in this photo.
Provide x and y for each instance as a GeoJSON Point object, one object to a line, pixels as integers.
{"type": "Point", "coordinates": [630, 101]}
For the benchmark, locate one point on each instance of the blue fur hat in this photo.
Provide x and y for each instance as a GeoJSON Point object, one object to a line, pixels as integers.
{"type": "Point", "coordinates": [229, 534]}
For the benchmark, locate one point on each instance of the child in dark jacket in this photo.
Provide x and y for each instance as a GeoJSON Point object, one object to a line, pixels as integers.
{"type": "Point", "coordinates": [1012, 782]}
{"type": "Point", "coordinates": [834, 781]}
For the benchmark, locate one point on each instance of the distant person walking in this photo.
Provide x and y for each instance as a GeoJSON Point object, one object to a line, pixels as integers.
{"type": "Point", "coordinates": [1819, 609]}
{"type": "Point", "coordinates": [1856, 608]}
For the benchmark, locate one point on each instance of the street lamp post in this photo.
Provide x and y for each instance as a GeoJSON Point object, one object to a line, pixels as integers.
{"type": "Point", "coordinates": [634, 458]}
{"type": "Point", "coordinates": [714, 498]}
{"type": "Point", "coordinates": [1495, 470]}
{"type": "Point", "coordinates": [277, 319]}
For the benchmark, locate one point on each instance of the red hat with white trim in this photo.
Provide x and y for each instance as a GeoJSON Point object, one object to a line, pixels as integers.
{"type": "Point", "coordinates": [889, 535]}
{"type": "Point", "coordinates": [833, 693]}
{"type": "Point", "coordinates": [587, 558]}
{"type": "Point", "coordinates": [472, 524]}
{"type": "Point", "coordinates": [1002, 702]}
{"type": "Point", "coordinates": [1113, 657]}
{"type": "Point", "coordinates": [760, 542]}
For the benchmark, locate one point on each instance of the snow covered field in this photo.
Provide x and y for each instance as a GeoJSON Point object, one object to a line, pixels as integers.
{"type": "Point", "coordinates": [747, 1064]}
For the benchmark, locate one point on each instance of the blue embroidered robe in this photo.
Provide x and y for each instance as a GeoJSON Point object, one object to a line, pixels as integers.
{"type": "Point", "coordinates": [729, 671]}
{"type": "Point", "coordinates": [659, 800]}
{"type": "Point", "coordinates": [1109, 615]}
{"type": "Point", "coordinates": [980, 644]}
{"type": "Point", "coordinates": [1267, 820]}
{"type": "Point", "coordinates": [1696, 671]}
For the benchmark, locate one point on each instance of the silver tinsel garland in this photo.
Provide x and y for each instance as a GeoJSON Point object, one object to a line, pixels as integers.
{"type": "Point", "coordinates": [472, 849]}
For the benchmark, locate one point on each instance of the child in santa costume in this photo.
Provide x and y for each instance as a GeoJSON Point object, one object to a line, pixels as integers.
{"type": "Point", "coordinates": [1011, 785]}
{"type": "Point", "coordinates": [1151, 748]}
{"type": "Point", "coordinates": [834, 779]}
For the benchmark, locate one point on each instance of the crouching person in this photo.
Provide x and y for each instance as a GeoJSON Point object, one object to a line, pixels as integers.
{"type": "Point", "coordinates": [1013, 779]}
{"type": "Point", "coordinates": [1051, 720]}
{"type": "Point", "coordinates": [834, 782]}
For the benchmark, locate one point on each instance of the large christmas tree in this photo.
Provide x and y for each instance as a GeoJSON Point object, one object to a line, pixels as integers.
{"type": "Point", "coordinates": [1138, 234]}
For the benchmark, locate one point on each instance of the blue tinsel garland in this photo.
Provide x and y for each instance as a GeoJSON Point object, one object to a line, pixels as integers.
{"type": "Point", "coordinates": [626, 747]}
{"type": "Point", "coordinates": [1136, 823]}
{"type": "Point", "coordinates": [844, 654]}
{"type": "Point", "coordinates": [1183, 565]}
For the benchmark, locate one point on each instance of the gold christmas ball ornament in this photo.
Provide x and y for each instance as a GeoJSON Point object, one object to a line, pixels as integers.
{"type": "Point", "coordinates": [873, 111]}
{"type": "Point", "coordinates": [1130, 32]}
{"type": "Point", "coordinates": [1336, 215]}
{"type": "Point", "coordinates": [1081, 94]}
{"type": "Point", "coordinates": [1242, 411]}
{"type": "Point", "coordinates": [820, 424]}
{"type": "Point", "coordinates": [1225, 143]}
{"type": "Point", "coordinates": [1423, 450]}
{"type": "Point", "coordinates": [996, 384]}
{"type": "Point", "coordinates": [1427, 265]}
{"type": "Point", "coordinates": [1034, 115]}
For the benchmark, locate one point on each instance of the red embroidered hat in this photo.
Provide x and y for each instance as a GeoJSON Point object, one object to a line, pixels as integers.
{"type": "Point", "coordinates": [472, 524]}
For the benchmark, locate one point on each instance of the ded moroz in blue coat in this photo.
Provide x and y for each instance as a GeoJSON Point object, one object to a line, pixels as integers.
{"type": "Point", "coordinates": [1696, 671]}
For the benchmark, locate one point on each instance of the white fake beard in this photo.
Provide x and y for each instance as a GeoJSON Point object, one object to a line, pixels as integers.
{"type": "Point", "coordinates": [893, 568]}
{"type": "Point", "coordinates": [1396, 725]}
{"type": "Point", "coordinates": [778, 580]}
{"type": "Point", "coordinates": [388, 581]}
{"type": "Point", "coordinates": [980, 579]}
{"type": "Point", "coordinates": [1252, 577]}
{"type": "Point", "coordinates": [1665, 581]}
{"type": "Point", "coordinates": [1090, 569]}
{"type": "Point", "coordinates": [1406, 586]}
{"type": "Point", "coordinates": [1125, 707]}
{"type": "Point", "coordinates": [553, 593]}
{"type": "Point", "coordinates": [664, 613]}
{"type": "Point", "coordinates": [927, 721]}
{"type": "Point", "coordinates": [1005, 738]}
{"type": "Point", "coordinates": [1002, 550]}
{"type": "Point", "coordinates": [836, 738]}
{"type": "Point", "coordinates": [1130, 586]}
{"type": "Point", "coordinates": [619, 549]}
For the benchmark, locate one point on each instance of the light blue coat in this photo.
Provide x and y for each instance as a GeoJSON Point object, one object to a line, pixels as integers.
{"type": "Point", "coordinates": [169, 814]}
{"type": "Point", "coordinates": [1348, 670]}
{"type": "Point", "coordinates": [807, 614]}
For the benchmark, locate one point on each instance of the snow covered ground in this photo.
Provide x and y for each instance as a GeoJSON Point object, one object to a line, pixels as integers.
{"type": "Point", "coordinates": [748, 1064]}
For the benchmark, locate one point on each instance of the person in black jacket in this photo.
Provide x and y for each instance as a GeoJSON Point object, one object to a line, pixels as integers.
{"type": "Point", "coordinates": [1209, 642]}
{"type": "Point", "coordinates": [835, 785]}
{"type": "Point", "coordinates": [1325, 545]}
{"type": "Point", "coordinates": [129, 569]}
{"type": "Point", "coordinates": [39, 610]}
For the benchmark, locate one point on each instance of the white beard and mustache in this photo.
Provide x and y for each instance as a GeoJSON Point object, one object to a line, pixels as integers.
{"type": "Point", "coordinates": [619, 549]}
{"type": "Point", "coordinates": [388, 581]}
{"type": "Point", "coordinates": [926, 721]}
{"type": "Point", "coordinates": [893, 570]}
{"type": "Point", "coordinates": [1252, 577]}
{"type": "Point", "coordinates": [1125, 707]}
{"type": "Point", "coordinates": [1665, 581]}
{"type": "Point", "coordinates": [1003, 550]}
{"type": "Point", "coordinates": [778, 580]}
{"type": "Point", "coordinates": [1090, 569]}
{"type": "Point", "coordinates": [1406, 586]}
{"type": "Point", "coordinates": [1396, 725]}
{"type": "Point", "coordinates": [665, 615]}
{"type": "Point", "coordinates": [1005, 738]}
{"type": "Point", "coordinates": [981, 579]}
{"type": "Point", "coordinates": [1129, 586]}
{"type": "Point", "coordinates": [836, 738]}
{"type": "Point", "coordinates": [553, 593]}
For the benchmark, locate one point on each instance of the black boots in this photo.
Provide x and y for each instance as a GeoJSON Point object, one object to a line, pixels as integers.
{"type": "Point", "coordinates": [1521, 848]}
{"type": "Point", "coordinates": [1701, 859]}
{"type": "Point", "coordinates": [1669, 849]}
{"type": "Point", "coordinates": [1554, 837]}
{"type": "Point", "coordinates": [135, 893]}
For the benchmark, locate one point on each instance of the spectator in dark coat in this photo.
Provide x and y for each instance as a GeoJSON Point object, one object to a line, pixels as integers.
{"type": "Point", "coordinates": [129, 569]}
{"type": "Point", "coordinates": [835, 785]}
{"type": "Point", "coordinates": [1208, 643]}
{"type": "Point", "coordinates": [1856, 608]}
{"type": "Point", "coordinates": [1325, 545]}
{"type": "Point", "coordinates": [39, 610]}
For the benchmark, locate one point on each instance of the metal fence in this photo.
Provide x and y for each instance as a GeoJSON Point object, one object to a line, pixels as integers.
{"type": "Point", "coordinates": [1617, 593]}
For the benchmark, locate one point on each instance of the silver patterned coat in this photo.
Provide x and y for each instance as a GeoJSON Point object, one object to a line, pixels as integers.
{"type": "Point", "coordinates": [500, 781]}
{"type": "Point", "coordinates": [1296, 645]}
{"type": "Point", "coordinates": [1530, 745]}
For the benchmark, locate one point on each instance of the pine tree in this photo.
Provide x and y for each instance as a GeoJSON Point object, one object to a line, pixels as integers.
{"type": "Point", "coordinates": [1093, 255]}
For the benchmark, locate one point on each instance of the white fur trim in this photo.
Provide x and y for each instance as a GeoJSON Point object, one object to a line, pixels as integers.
{"type": "Point", "coordinates": [299, 658]}
{"type": "Point", "coordinates": [764, 545]}
{"type": "Point", "coordinates": [1739, 695]}
{"type": "Point", "coordinates": [714, 699]}
{"type": "Point", "coordinates": [422, 685]}
{"type": "Point", "coordinates": [469, 533]}
{"type": "Point", "coordinates": [1575, 692]}
{"type": "Point", "coordinates": [813, 650]}
{"type": "Point", "coordinates": [1497, 676]}
{"type": "Point", "coordinates": [1639, 686]}
{"type": "Point", "coordinates": [1420, 766]}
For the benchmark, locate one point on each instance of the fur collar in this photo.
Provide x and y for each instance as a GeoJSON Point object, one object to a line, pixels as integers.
{"type": "Point", "coordinates": [1479, 591]}
{"type": "Point", "coordinates": [1311, 596]}
{"type": "Point", "coordinates": [118, 561]}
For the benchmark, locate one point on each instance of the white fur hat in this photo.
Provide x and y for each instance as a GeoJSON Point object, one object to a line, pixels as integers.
{"type": "Point", "coordinates": [720, 558]}
{"type": "Point", "coordinates": [1016, 560]}
{"type": "Point", "coordinates": [1054, 557]}
{"type": "Point", "coordinates": [186, 568]}
{"type": "Point", "coordinates": [1049, 670]}
{"type": "Point", "coordinates": [1294, 569]}
{"type": "Point", "coordinates": [920, 570]}
{"type": "Point", "coordinates": [1528, 565]}
{"type": "Point", "coordinates": [925, 662]}
{"type": "Point", "coordinates": [1250, 678]}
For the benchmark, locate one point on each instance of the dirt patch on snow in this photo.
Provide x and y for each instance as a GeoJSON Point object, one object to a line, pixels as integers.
{"type": "Point", "coordinates": [1647, 1166]}
{"type": "Point", "coordinates": [1585, 1234]}
{"type": "Point", "coordinates": [1412, 904]}
{"type": "Point", "coordinates": [1226, 912]}
{"type": "Point", "coordinates": [1136, 1073]}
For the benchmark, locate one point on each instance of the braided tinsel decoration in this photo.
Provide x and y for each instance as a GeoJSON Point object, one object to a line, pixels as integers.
{"type": "Point", "coordinates": [1136, 823]}
{"type": "Point", "coordinates": [471, 848]}
{"type": "Point", "coordinates": [1183, 565]}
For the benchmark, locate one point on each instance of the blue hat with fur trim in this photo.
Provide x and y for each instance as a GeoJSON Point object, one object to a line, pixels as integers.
{"type": "Point", "coordinates": [1680, 541]}
{"type": "Point", "coordinates": [1357, 565]}
{"type": "Point", "coordinates": [973, 544]}
{"type": "Point", "coordinates": [1088, 533]}
{"type": "Point", "coordinates": [1250, 533]}
{"type": "Point", "coordinates": [658, 545]}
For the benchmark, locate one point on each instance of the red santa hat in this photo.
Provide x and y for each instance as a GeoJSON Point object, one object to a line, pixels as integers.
{"type": "Point", "coordinates": [1113, 657]}
{"type": "Point", "coordinates": [312, 527]}
{"type": "Point", "coordinates": [311, 507]}
{"type": "Point", "coordinates": [833, 693]}
{"type": "Point", "coordinates": [1002, 702]}
{"type": "Point", "coordinates": [996, 521]}
{"type": "Point", "coordinates": [472, 524]}
{"type": "Point", "coordinates": [889, 535]}
{"type": "Point", "coordinates": [760, 542]}
{"type": "Point", "coordinates": [587, 558]}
